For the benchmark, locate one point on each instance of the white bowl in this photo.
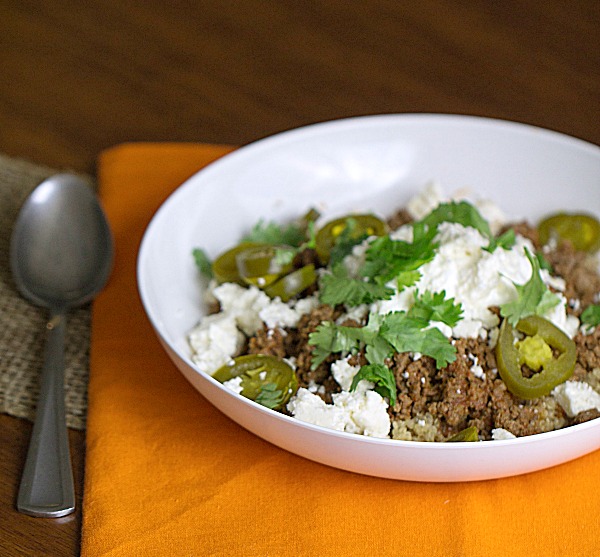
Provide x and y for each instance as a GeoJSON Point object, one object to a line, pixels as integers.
{"type": "Point", "coordinates": [370, 163]}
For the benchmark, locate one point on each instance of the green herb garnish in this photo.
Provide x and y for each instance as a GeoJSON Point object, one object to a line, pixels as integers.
{"type": "Point", "coordinates": [436, 307]}
{"type": "Point", "coordinates": [275, 234]}
{"type": "Point", "coordinates": [382, 376]}
{"type": "Point", "coordinates": [203, 262]}
{"type": "Point", "coordinates": [460, 212]}
{"type": "Point", "coordinates": [387, 259]}
{"type": "Point", "coordinates": [393, 332]}
{"type": "Point", "coordinates": [270, 396]}
{"type": "Point", "coordinates": [504, 241]}
{"type": "Point", "coordinates": [591, 316]}
{"type": "Point", "coordinates": [338, 287]}
{"type": "Point", "coordinates": [533, 297]}
{"type": "Point", "coordinates": [463, 212]}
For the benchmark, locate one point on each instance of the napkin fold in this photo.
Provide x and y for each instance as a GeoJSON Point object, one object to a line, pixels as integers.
{"type": "Point", "coordinates": [168, 474]}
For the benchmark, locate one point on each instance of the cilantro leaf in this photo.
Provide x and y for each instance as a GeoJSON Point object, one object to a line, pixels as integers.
{"type": "Point", "coordinates": [203, 262]}
{"type": "Point", "coordinates": [435, 307]}
{"type": "Point", "coordinates": [460, 212]}
{"type": "Point", "coordinates": [383, 334]}
{"type": "Point", "coordinates": [504, 241]}
{"type": "Point", "coordinates": [387, 259]}
{"type": "Point", "coordinates": [406, 334]}
{"type": "Point", "coordinates": [378, 350]}
{"type": "Point", "coordinates": [463, 212]}
{"type": "Point", "coordinates": [274, 233]}
{"type": "Point", "coordinates": [591, 315]}
{"type": "Point", "coordinates": [407, 279]}
{"type": "Point", "coordinates": [329, 338]}
{"type": "Point", "coordinates": [543, 262]}
{"type": "Point", "coordinates": [337, 288]}
{"type": "Point", "coordinates": [270, 396]}
{"type": "Point", "coordinates": [533, 297]}
{"type": "Point", "coordinates": [382, 376]}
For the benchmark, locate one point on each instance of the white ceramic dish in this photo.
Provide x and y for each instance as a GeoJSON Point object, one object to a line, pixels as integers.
{"type": "Point", "coordinates": [370, 163]}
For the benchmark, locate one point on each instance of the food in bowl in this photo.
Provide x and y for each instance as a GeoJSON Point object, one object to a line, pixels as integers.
{"type": "Point", "coordinates": [441, 323]}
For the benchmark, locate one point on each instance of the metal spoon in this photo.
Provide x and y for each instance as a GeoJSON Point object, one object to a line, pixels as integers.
{"type": "Point", "coordinates": [61, 255]}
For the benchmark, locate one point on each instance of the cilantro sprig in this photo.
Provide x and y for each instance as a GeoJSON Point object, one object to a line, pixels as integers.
{"type": "Point", "coordinates": [591, 316]}
{"type": "Point", "coordinates": [382, 376]}
{"type": "Point", "coordinates": [387, 259]}
{"type": "Point", "coordinates": [533, 297]}
{"type": "Point", "coordinates": [401, 331]}
{"type": "Point", "coordinates": [270, 396]}
{"type": "Point", "coordinates": [463, 212]}
{"type": "Point", "coordinates": [434, 306]}
{"type": "Point", "coordinates": [338, 287]}
{"type": "Point", "coordinates": [203, 262]}
{"type": "Point", "coordinates": [276, 234]}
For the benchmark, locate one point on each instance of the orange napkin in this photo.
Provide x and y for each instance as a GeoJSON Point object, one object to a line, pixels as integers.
{"type": "Point", "coordinates": [168, 474]}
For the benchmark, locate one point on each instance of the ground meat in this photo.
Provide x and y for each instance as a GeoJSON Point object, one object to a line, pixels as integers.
{"type": "Point", "coordinates": [399, 219]}
{"type": "Point", "coordinates": [588, 350]}
{"type": "Point", "coordinates": [586, 416]}
{"type": "Point", "coordinates": [435, 404]}
{"type": "Point", "coordinates": [292, 344]}
{"type": "Point", "coordinates": [580, 273]}
{"type": "Point", "coordinates": [271, 342]}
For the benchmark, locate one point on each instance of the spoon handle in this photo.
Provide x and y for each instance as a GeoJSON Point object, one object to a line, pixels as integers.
{"type": "Point", "coordinates": [46, 488]}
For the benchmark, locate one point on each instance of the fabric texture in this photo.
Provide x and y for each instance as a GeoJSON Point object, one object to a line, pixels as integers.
{"type": "Point", "coordinates": [168, 474]}
{"type": "Point", "coordinates": [22, 335]}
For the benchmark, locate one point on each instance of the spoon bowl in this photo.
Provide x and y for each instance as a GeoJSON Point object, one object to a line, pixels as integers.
{"type": "Point", "coordinates": [61, 256]}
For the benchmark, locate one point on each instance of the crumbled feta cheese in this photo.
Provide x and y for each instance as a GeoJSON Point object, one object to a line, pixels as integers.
{"type": "Point", "coordinates": [234, 384]}
{"type": "Point", "coordinates": [357, 412]}
{"type": "Point", "coordinates": [476, 369]}
{"type": "Point", "coordinates": [366, 412]}
{"type": "Point", "coordinates": [425, 201]}
{"type": "Point", "coordinates": [344, 373]}
{"type": "Point", "coordinates": [278, 314]}
{"type": "Point", "coordinates": [311, 408]}
{"type": "Point", "coordinates": [567, 323]}
{"type": "Point", "coordinates": [475, 278]}
{"type": "Point", "coordinates": [575, 397]}
{"type": "Point", "coordinates": [244, 304]}
{"type": "Point", "coordinates": [306, 305]}
{"type": "Point", "coordinates": [215, 341]}
{"type": "Point", "coordinates": [499, 434]}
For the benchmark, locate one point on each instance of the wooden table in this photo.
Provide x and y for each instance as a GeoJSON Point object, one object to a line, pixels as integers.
{"type": "Point", "coordinates": [78, 77]}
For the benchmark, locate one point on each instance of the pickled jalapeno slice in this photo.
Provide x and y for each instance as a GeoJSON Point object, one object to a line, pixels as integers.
{"type": "Point", "coordinates": [293, 283]}
{"type": "Point", "coordinates": [581, 230]}
{"type": "Point", "coordinates": [548, 353]}
{"type": "Point", "coordinates": [260, 265]}
{"type": "Point", "coordinates": [225, 268]}
{"type": "Point", "coordinates": [265, 379]}
{"type": "Point", "coordinates": [468, 434]}
{"type": "Point", "coordinates": [362, 226]}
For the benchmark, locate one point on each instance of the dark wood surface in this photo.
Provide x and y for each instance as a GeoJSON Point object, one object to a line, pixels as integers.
{"type": "Point", "coordinates": [78, 77]}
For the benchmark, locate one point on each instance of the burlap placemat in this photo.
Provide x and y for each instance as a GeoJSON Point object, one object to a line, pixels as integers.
{"type": "Point", "coordinates": [23, 326]}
